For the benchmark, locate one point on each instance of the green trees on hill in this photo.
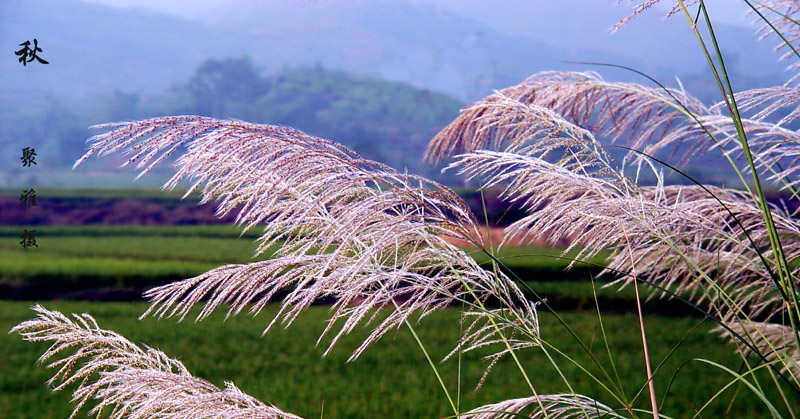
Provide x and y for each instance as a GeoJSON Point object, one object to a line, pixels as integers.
{"type": "Point", "coordinates": [219, 87]}
{"type": "Point", "coordinates": [384, 121]}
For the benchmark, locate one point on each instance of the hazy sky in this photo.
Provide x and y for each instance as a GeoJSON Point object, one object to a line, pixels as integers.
{"type": "Point", "coordinates": [572, 24]}
{"type": "Point", "coordinates": [95, 51]}
{"type": "Point", "coordinates": [519, 17]}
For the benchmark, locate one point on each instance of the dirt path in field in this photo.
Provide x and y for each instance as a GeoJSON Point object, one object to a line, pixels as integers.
{"type": "Point", "coordinates": [497, 234]}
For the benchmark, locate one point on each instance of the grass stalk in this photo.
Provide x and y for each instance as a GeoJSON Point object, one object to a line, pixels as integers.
{"type": "Point", "coordinates": [738, 378]}
{"type": "Point", "coordinates": [784, 272]}
{"type": "Point", "coordinates": [431, 363]}
{"type": "Point", "coordinates": [605, 339]}
{"type": "Point", "coordinates": [646, 352]}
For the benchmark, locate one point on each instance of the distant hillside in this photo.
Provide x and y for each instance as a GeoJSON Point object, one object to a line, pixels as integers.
{"type": "Point", "coordinates": [111, 64]}
{"type": "Point", "coordinates": [383, 121]}
{"type": "Point", "coordinates": [95, 49]}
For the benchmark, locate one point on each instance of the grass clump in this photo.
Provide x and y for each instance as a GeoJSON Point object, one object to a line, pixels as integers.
{"type": "Point", "coordinates": [392, 380]}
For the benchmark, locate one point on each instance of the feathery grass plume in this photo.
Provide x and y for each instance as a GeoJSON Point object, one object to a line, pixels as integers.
{"type": "Point", "coordinates": [129, 381]}
{"type": "Point", "coordinates": [648, 228]}
{"type": "Point", "coordinates": [691, 225]}
{"type": "Point", "coordinates": [631, 114]}
{"type": "Point", "coordinates": [584, 197]}
{"type": "Point", "coordinates": [705, 243]}
{"type": "Point", "coordinates": [645, 5]}
{"type": "Point", "coordinates": [510, 329]}
{"type": "Point", "coordinates": [556, 406]}
{"type": "Point", "coordinates": [767, 101]}
{"type": "Point", "coordinates": [353, 229]}
{"type": "Point", "coordinates": [780, 19]}
{"type": "Point", "coordinates": [639, 117]}
{"type": "Point", "coordinates": [774, 340]}
{"type": "Point", "coordinates": [776, 149]}
{"type": "Point", "coordinates": [636, 12]}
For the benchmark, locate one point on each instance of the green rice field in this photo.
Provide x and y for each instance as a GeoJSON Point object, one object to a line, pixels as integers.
{"type": "Point", "coordinates": [82, 257]}
{"type": "Point", "coordinates": [392, 379]}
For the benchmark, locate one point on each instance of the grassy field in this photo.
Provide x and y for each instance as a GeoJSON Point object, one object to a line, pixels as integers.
{"type": "Point", "coordinates": [284, 367]}
{"type": "Point", "coordinates": [71, 258]}
{"type": "Point", "coordinates": [105, 192]}
{"type": "Point", "coordinates": [392, 379]}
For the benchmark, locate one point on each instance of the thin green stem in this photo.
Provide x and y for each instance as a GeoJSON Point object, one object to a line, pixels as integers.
{"type": "Point", "coordinates": [585, 371]}
{"type": "Point", "coordinates": [572, 333]}
{"type": "Point", "coordinates": [650, 382]}
{"type": "Point", "coordinates": [661, 364]}
{"type": "Point", "coordinates": [739, 338]}
{"type": "Point", "coordinates": [430, 362]}
{"type": "Point", "coordinates": [738, 378]}
{"type": "Point", "coordinates": [460, 333]}
{"type": "Point", "coordinates": [605, 339]}
{"type": "Point", "coordinates": [784, 273]}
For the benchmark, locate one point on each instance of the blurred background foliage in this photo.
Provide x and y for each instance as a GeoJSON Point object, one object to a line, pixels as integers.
{"type": "Point", "coordinates": [381, 120]}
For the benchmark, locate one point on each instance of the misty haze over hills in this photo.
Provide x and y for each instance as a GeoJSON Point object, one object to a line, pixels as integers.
{"type": "Point", "coordinates": [96, 48]}
{"type": "Point", "coordinates": [97, 52]}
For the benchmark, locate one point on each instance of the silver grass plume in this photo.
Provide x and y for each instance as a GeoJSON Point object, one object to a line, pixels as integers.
{"type": "Point", "coordinates": [353, 230]}
{"type": "Point", "coordinates": [673, 236]}
{"type": "Point", "coordinates": [646, 228]}
{"type": "Point", "coordinates": [129, 381]}
{"type": "Point", "coordinates": [783, 16]}
{"type": "Point", "coordinates": [776, 150]}
{"type": "Point", "coordinates": [638, 117]}
{"type": "Point", "coordinates": [630, 114]}
{"type": "Point", "coordinates": [776, 341]}
{"type": "Point", "coordinates": [643, 6]}
{"type": "Point", "coordinates": [766, 102]}
{"type": "Point", "coordinates": [585, 179]}
{"type": "Point", "coordinates": [510, 329]}
{"type": "Point", "coordinates": [556, 406]}
{"type": "Point", "coordinates": [773, 15]}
